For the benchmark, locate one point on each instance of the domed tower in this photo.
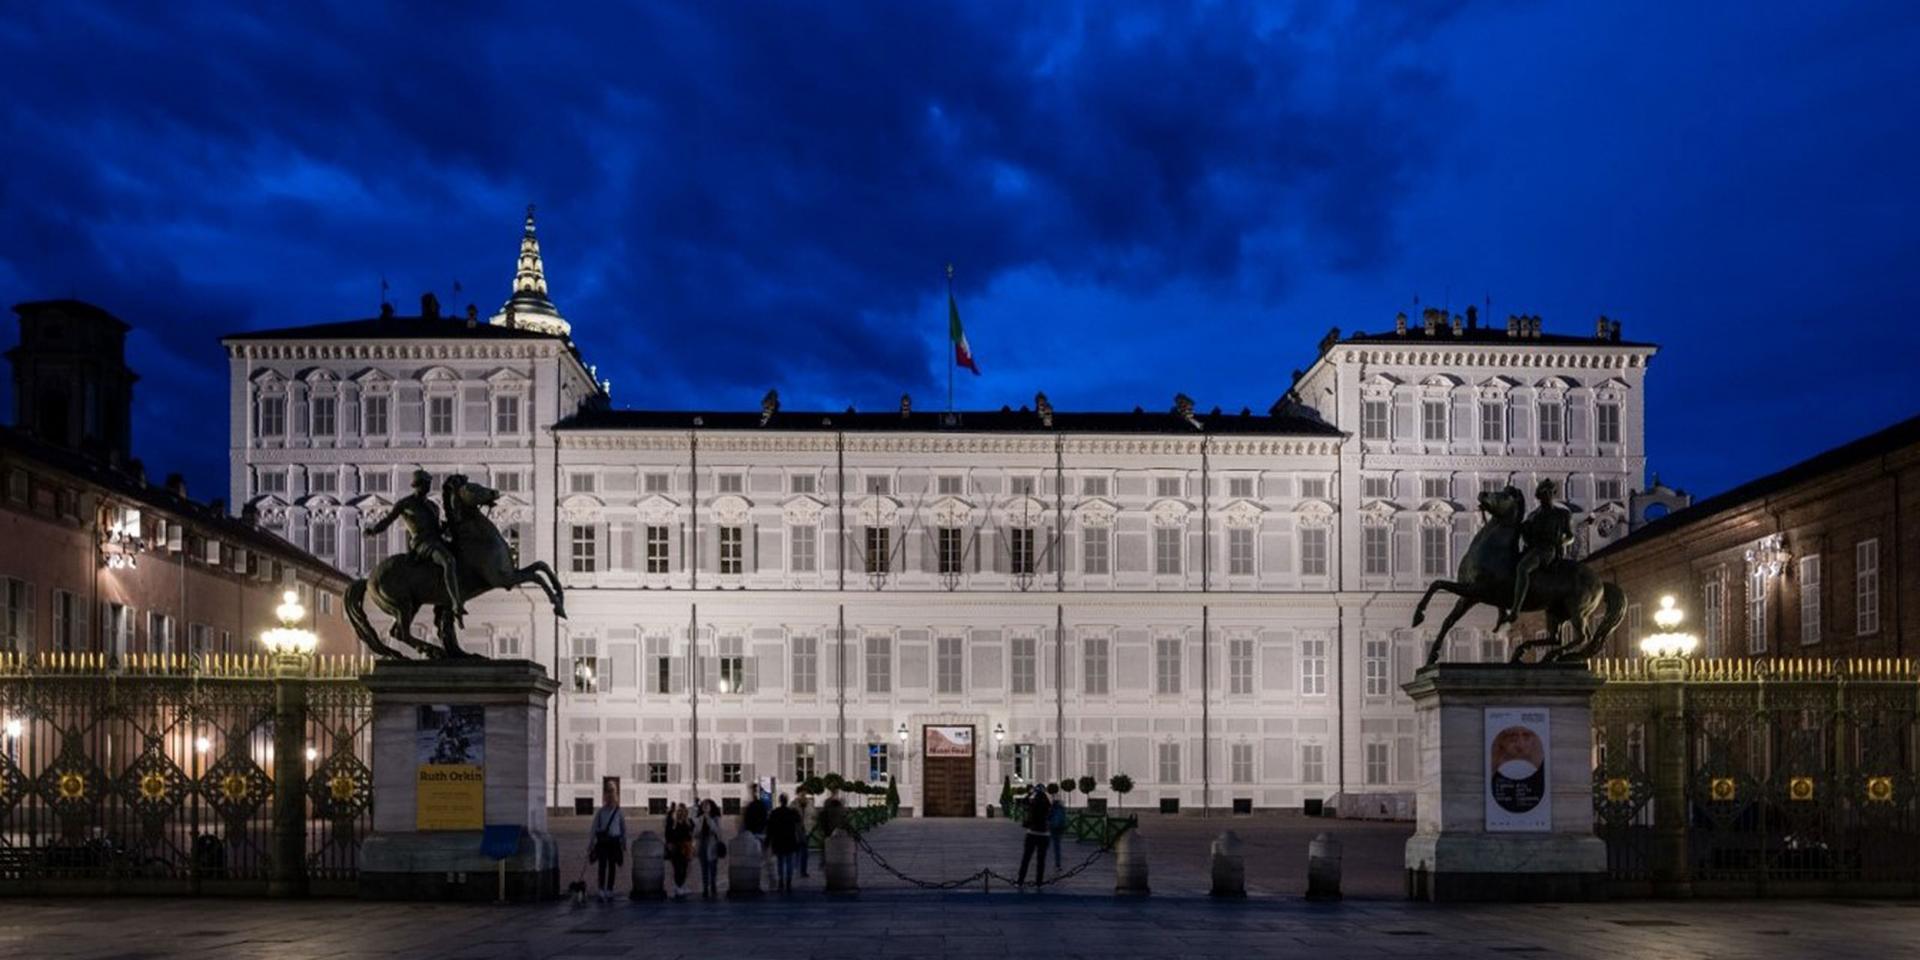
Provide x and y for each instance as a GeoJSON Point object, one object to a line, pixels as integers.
{"type": "Point", "coordinates": [528, 308]}
{"type": "Point", "coordinates": [71, 383]}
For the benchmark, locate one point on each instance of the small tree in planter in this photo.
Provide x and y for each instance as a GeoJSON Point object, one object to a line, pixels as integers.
{"type": "Point", "coordinates": [1066, 790]}
{"type": "Point", "coordinates": [893, 797]}
{"type": "Point", "coordinates": [1121, 785]}
{"type": "Point", "coordinates": [813, 785]}
{"type": "Point", "coordinates": [1087, 784]}
{"type": "Point", "coordinates": [835, 782]}
{"type": "Point", "coordinates": [1006, 797]}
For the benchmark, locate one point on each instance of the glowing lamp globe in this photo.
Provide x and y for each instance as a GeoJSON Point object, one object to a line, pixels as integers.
{"type": "Point", "coordinates": [288, 639]}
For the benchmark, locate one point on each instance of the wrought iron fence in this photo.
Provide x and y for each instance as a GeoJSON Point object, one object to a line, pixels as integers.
{"type": "Point", "coordinates": [157, 773]}
{"type": "Point", "coordinates": [1759, 776]}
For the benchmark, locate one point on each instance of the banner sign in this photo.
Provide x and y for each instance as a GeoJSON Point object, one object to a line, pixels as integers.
{"type": "Point", "coordinates": [450, 747]}
{"type": "Point", "coordinates": [1519, 798]}
{"type": "Point", "coordinates": [950, 741]}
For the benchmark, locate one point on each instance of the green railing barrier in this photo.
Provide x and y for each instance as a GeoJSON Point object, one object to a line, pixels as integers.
{"type": "Point", "coordinates": [1091, 826]}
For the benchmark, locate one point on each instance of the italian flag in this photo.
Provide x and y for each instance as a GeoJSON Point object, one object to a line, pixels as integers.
{"type": "Point", "coordinates": [962, 352]}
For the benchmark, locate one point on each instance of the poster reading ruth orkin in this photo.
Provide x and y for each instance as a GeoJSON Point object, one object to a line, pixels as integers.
{"type": "Point", "coordinates": [1518, 744]}
{"type": "Point", "coordinates": [450, 750]}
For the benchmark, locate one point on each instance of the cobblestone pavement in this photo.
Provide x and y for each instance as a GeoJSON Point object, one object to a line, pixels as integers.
{"type": "Point", "coordinates": [1276, 853]}
{"type": "Point", "coordinates": [903, 924]}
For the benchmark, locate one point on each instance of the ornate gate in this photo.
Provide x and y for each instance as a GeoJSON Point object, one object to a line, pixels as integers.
{"type": "Point", "coordinates": [1759, 777]}
{"type": "Point", "coordinates": [157, 774]}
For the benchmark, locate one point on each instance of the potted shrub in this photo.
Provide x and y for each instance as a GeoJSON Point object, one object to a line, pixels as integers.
{"type": "Point", "coordinates": [1066, 791]}
{"type": "Point", "coordinates": [1121, 784]}
{"type": "Point", "coordinates": [1087, 784]}
{"type": "Point", "coordinates": [893, 797]}
{"type": "Point", "coordinates": [835, 782]}
{"type": "Point", "coordinates": [813, 785]}
{"type": "Point", "coordinates": [1006, 797]}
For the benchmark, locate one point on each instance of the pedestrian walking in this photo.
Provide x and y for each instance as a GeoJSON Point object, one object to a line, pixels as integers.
{"type": "Point", "coordinates": [786, 836]}
{"type": "Point", "coordinates": [679, 839]}
{"type": "Point", "coordinates": [712, 846]}
{"type": "Point", "coordinates": [607, 844]}
{"type": "Point", "coordinates": [1035, 848]}
{"type": "Point", "coordinates": [803, 806]}
{"type": "Point", "coordinates": [1056, 821]}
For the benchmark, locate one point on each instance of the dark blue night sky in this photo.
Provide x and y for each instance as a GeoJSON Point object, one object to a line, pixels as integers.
{"type": "Point", "coordinates": [1139, 200]}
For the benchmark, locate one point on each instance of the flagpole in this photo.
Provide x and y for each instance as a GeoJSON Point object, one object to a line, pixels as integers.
{"type": "Point", "coordinates": [951, 361]}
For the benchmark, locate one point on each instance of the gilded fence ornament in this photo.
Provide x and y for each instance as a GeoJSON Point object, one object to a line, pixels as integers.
{"type": "Point", "coordinates": [1511, 557]}
{"type": "Point", "coordinates": [479, 557]}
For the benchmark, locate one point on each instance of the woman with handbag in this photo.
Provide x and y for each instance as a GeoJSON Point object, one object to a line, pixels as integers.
{"type": "Point", "coordinates": [608, 844]}
{"type": "Point", "coordinates": [711, 847]}
{"type": "Point", "coordinates": [679, 843]}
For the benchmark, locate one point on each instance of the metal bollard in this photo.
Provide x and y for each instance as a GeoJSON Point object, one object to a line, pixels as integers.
{"type": "Point", "coordinates": [743, 865]}
{"type": "Point", "coordinates": [649, 855]}
{"type": "Point", "coordinates": [1229, 865]}
{"type": "Point", "coordinates": [1130, 864]}
{"type": "Point", "coordinates": [843, 867]}
{"type": "Point", "coordinates": [1323, 868]}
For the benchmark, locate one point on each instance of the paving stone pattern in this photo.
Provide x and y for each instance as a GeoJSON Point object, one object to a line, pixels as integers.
{"type": "Point", "coordinates": [890, 920]}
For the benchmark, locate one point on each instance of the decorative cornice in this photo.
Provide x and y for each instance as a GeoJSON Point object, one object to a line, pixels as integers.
{"type": "Point", "coordinates": [1598, 356]}
{"type": "Point", "coordinates": [966, 444]}
{"type": "Point", "coordinates": [393, 350]}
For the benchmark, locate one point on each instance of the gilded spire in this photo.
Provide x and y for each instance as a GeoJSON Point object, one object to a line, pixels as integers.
{"type": "Point", "coordinates": [529, 307]}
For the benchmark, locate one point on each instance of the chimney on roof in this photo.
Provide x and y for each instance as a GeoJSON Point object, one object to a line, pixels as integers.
{"type": "Point", "coordinates": [250, 515]}
{"type": "Point", "coordinates": [1400, 323]}
{"type": "Point", "coordinates": [1430, 320]}
{"type": "Point", "coordinates": [217, 506]}
{"type": "Point", "coordinates": [1613, 331]}
{"type": "Point", "coordinates": [1536, 326]}
{"type": "Point", "coordinates": [1457, 323]}
{"type": "Point", "coordinates": [1600, 328]}
{"type": "Point", "coordinates": [1044, 407]}
{"type": "Point", "coordinates": [137, 470]}
{"type": "Point", "coordinates": [429, 306]}
{"type": "Point", "coordinates": [177, 485]}
{"type": "Point", "coordinates": [906, 405]}
{"type": "Point", "coordinates": [386, 311]}
{"type": "Point", "coordinates": [473, 316]}
{"type": "Point", "coordinates": [769, 405]}
{"type": "Point", "coordinates": [1473, 317]}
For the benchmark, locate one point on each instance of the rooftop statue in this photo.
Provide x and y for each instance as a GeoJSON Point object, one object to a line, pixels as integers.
{"type": "Point", "coordinates": [1497, 571]}
{"type": "Point", "coordinates": [445, 564]}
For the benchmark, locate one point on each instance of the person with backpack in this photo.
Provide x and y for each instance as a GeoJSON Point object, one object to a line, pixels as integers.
{"type": "Point", "coordinates": [1056, 821]}
{"type": "Point", "coordinates": [1035, 849]}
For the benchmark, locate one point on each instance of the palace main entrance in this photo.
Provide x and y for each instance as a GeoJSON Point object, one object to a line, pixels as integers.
{"type": "Point", "coordinates": [946, 780]}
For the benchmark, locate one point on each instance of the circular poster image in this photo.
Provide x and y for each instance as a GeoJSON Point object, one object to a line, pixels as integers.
{"type": "Point", "coordinates": [1519, 763]}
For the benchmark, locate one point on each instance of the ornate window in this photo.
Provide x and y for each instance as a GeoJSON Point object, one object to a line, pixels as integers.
{"type": "Point", "coordinates": [583, 552]}
{"type": "Point", "coordinates": [1375, 550]}
{"type": "Point", "coordinates": [1166, 665]}
{"type": "Point", "coordinates": [1240, 666]}
{"type": "Point", "coordinates": [804, 551]}
{"type": "Point", "coordinates": [1376, 419]}
{"type": "Point", "coordinates": [879, 664]}
{"type": "Point", "coordinates": [1167, 550]}
{"type": "Point", "coordinates": [1095, 656]}
{"type": "Point", "coordinates": [1866, 587]}
{"type": "Point", "coordinates": [1313, 551]}
{"type": "Point", "coordinates": [1810, 599]}
{"type": "Point", "coordinates": [949, 673]}
{"type": "Point", "coordinates": [1240, 551]}
{"type": "Point", "coordinates": [950, 550]}
{"type": "Point", "coordinates": [1020, 550]}
{"type": "Point", "coordinates": [1024, 660]}
{"type": "Point", "coordinates": [1374, 664]}
{"type": "Point", "coordinates": [374, 421]}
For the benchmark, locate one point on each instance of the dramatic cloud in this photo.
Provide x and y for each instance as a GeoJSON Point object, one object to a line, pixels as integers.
{"type": "Point", "coordinates": [1138, 198]}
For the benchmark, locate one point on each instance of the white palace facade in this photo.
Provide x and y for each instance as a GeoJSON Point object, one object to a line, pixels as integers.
{"type": "Point", "coordinates": [1216, 604]}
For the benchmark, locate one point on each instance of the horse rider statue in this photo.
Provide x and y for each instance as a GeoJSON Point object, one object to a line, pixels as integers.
{"type": "Point", "coordinates": [425, 537]}
{"type": "Point", "coordinates": [1545, 537]}
{"type": "Point", "coordinates": [449, 559]}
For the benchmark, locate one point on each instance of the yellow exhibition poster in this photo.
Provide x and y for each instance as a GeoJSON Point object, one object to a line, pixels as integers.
{"type": "Point", "coordinates": [451, 751]}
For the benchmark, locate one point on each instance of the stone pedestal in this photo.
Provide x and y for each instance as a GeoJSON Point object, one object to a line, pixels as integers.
{"type": "Point", "coordinates": [1228, 863]}
{"type": "Point", "coordinates": [1130, 864]}
{"type": "Point", "coordinates": [1462, 851]}
{"type": "Point", "coordinates": [647, 857]}
{"type": "Point", "coordinates": [399, 861]}
{"type": "Point", "coordinates": [843, 870]}
{"type": "Point", "coordinates": [744, 865]}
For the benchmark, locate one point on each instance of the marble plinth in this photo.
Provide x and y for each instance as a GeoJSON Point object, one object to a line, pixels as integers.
{"type": "Point", "coordinates": [1453, 854]}
{"type": "Point", "coordinates": [398, 861]}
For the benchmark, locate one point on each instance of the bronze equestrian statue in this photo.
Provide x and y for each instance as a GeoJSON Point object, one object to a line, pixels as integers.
{"type": "Point", "coordinates": [1496, 571]}
{"type": "Point", "coordinates": [445, 565]}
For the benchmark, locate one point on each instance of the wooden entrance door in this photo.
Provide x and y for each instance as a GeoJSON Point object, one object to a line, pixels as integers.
{"type": "Point", "coordinates": [946, 779]}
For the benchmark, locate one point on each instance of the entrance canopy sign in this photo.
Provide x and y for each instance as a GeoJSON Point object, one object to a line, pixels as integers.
{"type": "Point", "coordinates": [1519, 741]}
{"type": "Point", "coordinates": [950, 742]}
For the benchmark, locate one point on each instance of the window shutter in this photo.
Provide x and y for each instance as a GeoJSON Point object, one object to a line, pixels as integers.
{"type": "Point", "coordinates": [1043, 763]}
{"type": "Point", "coordinates": [930, 550]}
{"type": "Point", "coordinates": [785, 768]}
{"type": "Point", "coordinates": [677, 674]}
{"type": "Point", "coordinates": [26, 619]}
{"type": "Point", "coordinates": [79, 631]}
{"type": "Point", "coordinates": [712, 774]}
{"type": "Point", "coordinates": [623, 547]}
{"type": "Point", "coordinates": [621, 674]}
{"type": "Point", "coordinates": [673, 773]}
{"type": "Point", "coordinates": [1403, 753]}
{"type": "Point", "coordinates": [749, 674]}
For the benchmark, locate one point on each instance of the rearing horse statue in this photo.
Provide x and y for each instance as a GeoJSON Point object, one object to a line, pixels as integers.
{"type": "Point", "coordinates": [1567, 591]}
{"type": "Point", "coordinates": [404, 583]}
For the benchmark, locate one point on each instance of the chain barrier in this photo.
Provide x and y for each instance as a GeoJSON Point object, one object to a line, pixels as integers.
{"type": "Point", "coordinates": [984, 874]}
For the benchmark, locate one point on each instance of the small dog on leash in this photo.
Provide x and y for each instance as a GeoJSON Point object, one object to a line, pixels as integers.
{"type": "Point", "coordinates": [578, 891]}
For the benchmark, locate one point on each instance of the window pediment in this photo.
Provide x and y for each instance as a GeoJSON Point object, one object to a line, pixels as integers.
{"type": "Point", "coordinates": [1025, 511]}
{"type": "Point", "coordinates": [1379, 513]}
{"type": "Point", "coordinates": [371, 376]}
{"type": "Point", "coordinates": [951, 511]}
{"type": "Point", "coordinates": [877, 510]}
{"type": "Point", "coordinates": [732, 509]}
{"type": "Point", "coordinates": [268, 377]}
{"type": "Point", "coordinates": [1243, 513]}
{"type": "Point", "coordinates": [1378, 387]}
{"type": "Point", "coordinates": [803, 510]}
{"type": "Point", "coordinates": [1097, 512]}
{"type": "Point", "coordinates": [1169, 512]}
{"type": "Point", "coordinates": [657, 509]}
{"type": "Point", "coordinates": [507, 377]}
{"type": "Point", "coordinates": [581, 508]}
{"type": "Point", "coordinates": [438, 375]}
{"type": "Point", "coordinates": [1314, 513]}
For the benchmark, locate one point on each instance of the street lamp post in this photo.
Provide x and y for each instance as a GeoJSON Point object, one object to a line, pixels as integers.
{"type": "Point", "coordinates": [1669, 653]}
{"type": "Point", "coordinates": [292, 647]}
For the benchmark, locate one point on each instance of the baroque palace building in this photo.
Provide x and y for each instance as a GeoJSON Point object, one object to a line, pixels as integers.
{"type": "Point", "coordinates": [1216, 604]}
